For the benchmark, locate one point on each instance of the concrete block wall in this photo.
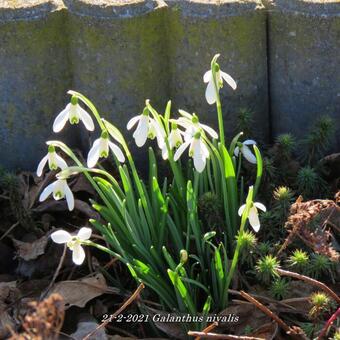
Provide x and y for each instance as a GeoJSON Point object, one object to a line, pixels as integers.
{"type": "Point", "coordinates": [284, 55]}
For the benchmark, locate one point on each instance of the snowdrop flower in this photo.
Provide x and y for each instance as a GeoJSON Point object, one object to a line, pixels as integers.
{"type": "Point", "coordinates": [175, 137]}
{"type": "Point", "coordinates": [175, 140]}
{"type": "Point", "coordinates": [157, 131]}
{"type": "Point", "coordinates": [210, 93]}
{"type": "Point", "coordinates": [54, 161]}
{"type": "Point", "coordinates": [59, 189]}
{"type": "Point", "coordinates": [100, 149]}
{"type": "Point", "coordinates": [74, 113]}
{"type": "Point", "coordinates": [253, 214]}
{"type": "Point", "coordinates": [197, 150]}
{"type": "Point", "coordinates": [245, 150]}
{"type": "Point", "coordinates": [141, 133]}
{"type": "Point", "coordinates": [73, 242]}
{"type": "Point", "coordinates": [192, 124]}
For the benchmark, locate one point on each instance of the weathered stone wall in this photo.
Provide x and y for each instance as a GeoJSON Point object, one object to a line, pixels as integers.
{"type": "Point", "coordinates": [284, 55]}
{"type": "Point", "coordinates": [304, 69]}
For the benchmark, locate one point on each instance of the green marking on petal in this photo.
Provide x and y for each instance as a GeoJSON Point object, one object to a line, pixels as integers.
{"type": "Point", "coordinates": [104, 154]}
{"type": "Point", "coordinates": [74, 120]}
{"type": "Point", "coordinates": [53, 166]}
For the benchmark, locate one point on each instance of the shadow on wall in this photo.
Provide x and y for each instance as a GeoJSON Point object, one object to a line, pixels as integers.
{"type": "Point", "coordinates": [118, 54]}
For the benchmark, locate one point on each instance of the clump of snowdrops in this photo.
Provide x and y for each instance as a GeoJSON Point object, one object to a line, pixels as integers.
{"type": "Point", "coordinates": [153, 227]}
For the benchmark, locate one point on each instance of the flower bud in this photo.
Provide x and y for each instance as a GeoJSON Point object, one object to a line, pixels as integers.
{"type": "Point", "coordinates": [183, 256]}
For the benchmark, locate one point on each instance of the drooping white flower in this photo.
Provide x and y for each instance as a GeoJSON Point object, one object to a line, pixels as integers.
{"type": "Point", "coordinates": [192, 124]}
{"type": "Point", "coordinates": [100, 149]}
{"type": "Point", "coordinates": [74, 113]}
{"type": "Point", "coordinates": [253, 214]}
{"type": "Point", "coordinates": [73, 242]}
{"type": "Point", "coordinates": [157, 131]}
{"type": "Point", "coordinates": [175, 137]}
{"type": "Point", "coordinates": [197, 150]}
{"type": "Point", "coordinates": [175, 140]}
{"type": "Point", "coordinates": [59, 189]}
{"type": "Point", "coordinates": [245, 150]}
{"type": "Point", "coordinates": [53, 159]}
{"type": "Point", "coordinates": [210, 93]}
{"type": "Point", "coordinates": [141, 133]}
{"type": "Point", "coordinates": [147, 128]}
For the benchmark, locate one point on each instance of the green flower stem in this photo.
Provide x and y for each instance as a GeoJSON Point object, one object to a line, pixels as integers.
{"type": "Point", "coordinates": [238, 245]}
{"type": "Point", "coordinates": [104, 249]}
{"type": "Point", "coordinates": [177, 173]}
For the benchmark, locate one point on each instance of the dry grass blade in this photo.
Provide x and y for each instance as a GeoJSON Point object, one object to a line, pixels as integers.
{"type": "Point", "coordinates": [133, 297]}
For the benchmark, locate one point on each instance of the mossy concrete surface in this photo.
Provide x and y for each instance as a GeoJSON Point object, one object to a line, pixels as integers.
{"type": "Point", "coordinates": [304, 56]}
{"type": "Point", "coordinates": [121, 52]}
{"type": "Point", "coordinates": [237, 30]}
{"type": "Point", "coordinates": [34, 77]}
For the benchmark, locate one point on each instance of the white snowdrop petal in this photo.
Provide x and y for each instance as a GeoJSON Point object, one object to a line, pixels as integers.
{"type": "Point", "coordinates": [61, 236]}
{"type": "Point", "coordinates": [117, 152]}
{"type": "Point", "coordinates": [141, 133]}
{"type": "Point", "coordinates": [69, 197]}
{"type": "Point", "coordinates": [241, 209]}
{"type": "Point", "coordinates": [229, 80]}
{"type": "Point", "coordinates": [207, 76]}
{"type": "Point", "coordinates": [60, 162]}
{"type": "Point", "coordinates": [260, 206]}
{"type": "Point", "coordinates": [165, 154]}
{"type": "Point", "coordinates": [41, 166]}
{"type": "Point", "coordinates": [210, 94]}
{"type": "Point", "coordinates": [46, 192]}
{"type": "Point", "coordinates": [186, 115]}
{"type": "Point", "coordinates": [249, 142]}
{"type": "Point", "coordinates": [84, 233]}
{"type": "Point", "coordinates": [210, 130]}
{"type": "Point", "coordinates": [254, 219]}
{"type": "Point", "coordinates": [236, 151]}
{"type": "Point", "coordinates": [93, 155]}
{"type": "Point", "coordinates": [205, 149]}
{"type": "Point", "coordinates": [85, 118]}
{"type": "Point", "coordinates": [78, 254]}
{"type": "Point", "coordinates": [132, 122]}
{"type": "Point", "coordinates": [248, 155]}
{"type": "Point", "coordinates": [61, 119]}
{"type": "Point", "coordinates": [180, 150]}
{"type": "Point", "coordinates": [199, 161]}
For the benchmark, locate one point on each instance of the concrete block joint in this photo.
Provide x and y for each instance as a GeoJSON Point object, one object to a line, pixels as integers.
{"type": "Point", "coordinates": [282, 53]}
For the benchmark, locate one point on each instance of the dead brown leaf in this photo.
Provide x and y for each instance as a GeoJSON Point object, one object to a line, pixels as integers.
{"type": "Point", "coordinates": [173, 329]}
{"type": "Point", "coordinates": [31, 250]}
{"type": "Point", "coordinates": [79, 292]}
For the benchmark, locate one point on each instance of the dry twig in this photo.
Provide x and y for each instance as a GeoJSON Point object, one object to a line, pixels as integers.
{"type": "Point", "coordinates": [208, 329]}
{"type": "Point", "coordinates": [267, 311]}
{"type": "Point", "coordinates": [221, 336]}
{"type": "Point", "coordinates": [328, 324]}
{"type": "Point", "coordinates": [311, 281]}
{"type": "Point", "coordinates": [133, 297]}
